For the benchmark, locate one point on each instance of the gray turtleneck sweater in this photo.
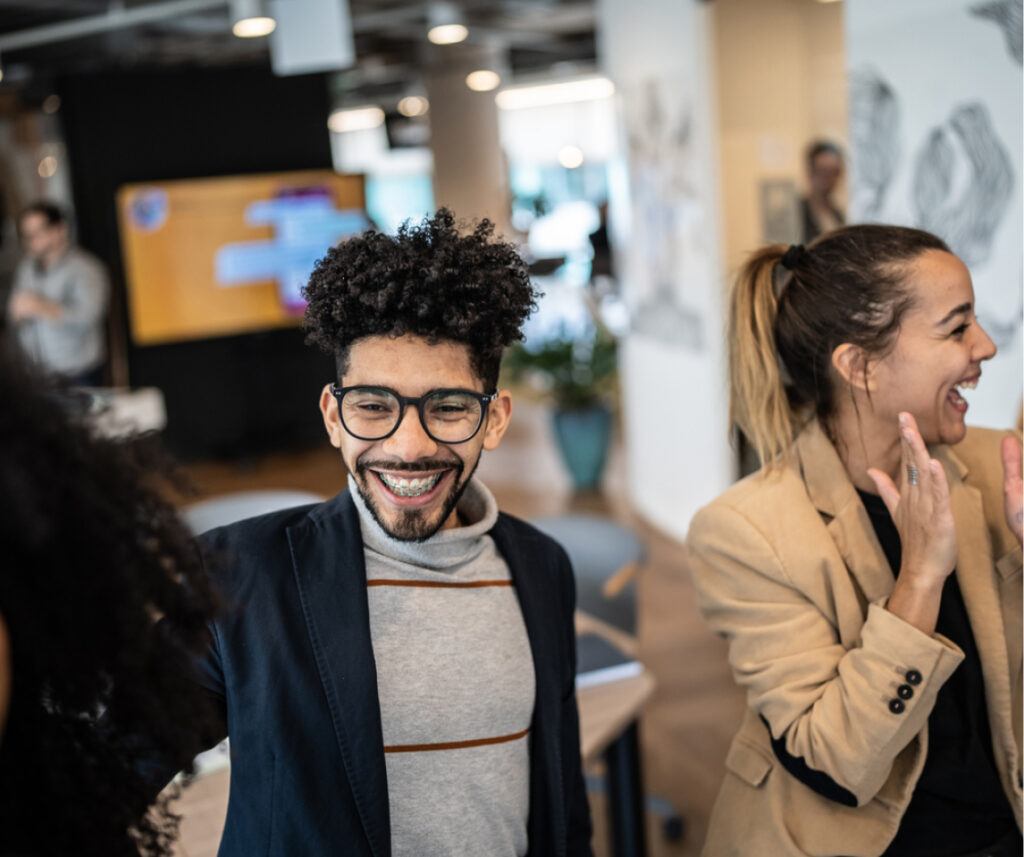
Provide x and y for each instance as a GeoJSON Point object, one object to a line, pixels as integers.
{"type": "Point", "coordinates": [456, 686]}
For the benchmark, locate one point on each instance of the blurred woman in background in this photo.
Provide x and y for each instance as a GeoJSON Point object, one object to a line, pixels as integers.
{"type": "Point", "coordinates": [868, 577]}
{"type": "Point", "coordinates": [90, 685]}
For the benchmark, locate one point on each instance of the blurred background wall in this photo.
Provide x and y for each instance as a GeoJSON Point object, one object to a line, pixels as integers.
{"type": "Point", "coordinates": [224, 395]}
{"type": "Point", "coordinates": [781, 75]}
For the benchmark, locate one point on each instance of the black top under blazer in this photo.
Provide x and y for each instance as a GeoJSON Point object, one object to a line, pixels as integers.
{"type": "Point", "coordinates": [290, 665]}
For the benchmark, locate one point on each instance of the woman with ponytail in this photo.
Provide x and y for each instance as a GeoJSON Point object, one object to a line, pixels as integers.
{"type": "Point", "coordinates": [868, 577]}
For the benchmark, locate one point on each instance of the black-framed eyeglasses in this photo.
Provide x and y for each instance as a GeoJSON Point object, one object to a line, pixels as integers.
{"type": "Point", "coordinates": [447, 415]}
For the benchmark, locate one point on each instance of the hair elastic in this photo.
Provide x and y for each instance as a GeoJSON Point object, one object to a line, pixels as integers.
{"type": "Point", "coordinates": [793, 256]}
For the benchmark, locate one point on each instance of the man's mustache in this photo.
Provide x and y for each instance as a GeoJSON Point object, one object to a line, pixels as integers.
{"type": "Point", "coordinates": [408, 466]}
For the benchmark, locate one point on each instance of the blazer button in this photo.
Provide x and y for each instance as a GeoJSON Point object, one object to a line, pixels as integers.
{"type": "Point", "coordinates": [913, 677]}
{"type": "Point", "coordinates": [897, 706]}
{"type": "Point", "coordinates": [904, 691]}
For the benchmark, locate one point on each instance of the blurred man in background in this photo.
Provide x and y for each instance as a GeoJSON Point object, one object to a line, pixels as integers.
{"type": "Point", "coordinates": [818, 210]}
{"type": "Point", "coordinates": [59, 300]}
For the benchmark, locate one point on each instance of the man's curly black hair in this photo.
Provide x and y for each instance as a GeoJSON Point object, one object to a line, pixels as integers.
{"type": "Point", "coordinates": [429, 280]}
{"type": "Point", "coordinates": [91, 555]}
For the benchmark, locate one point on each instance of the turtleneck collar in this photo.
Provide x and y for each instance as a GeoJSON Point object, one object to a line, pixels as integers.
{"type": "Point", "coordinates": [446, 550]}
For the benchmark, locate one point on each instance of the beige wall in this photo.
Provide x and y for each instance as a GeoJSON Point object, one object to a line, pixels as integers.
{"type": "Point", "coordinates": [781, 76]}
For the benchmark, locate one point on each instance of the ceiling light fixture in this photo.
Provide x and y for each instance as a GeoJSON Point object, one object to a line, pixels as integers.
{"type": "Point", "coordinates": [570, 157]}
{"type": "Point", "coordinates": [413, 105]}
{"type": "Point", "coordinates": [446, 26]}
{"type": "Point", "coordinates": [249, 19]}
{"type": "Point", "coordinates": [565, 92]}
{"type": "Point", "coordinates": [483, 80]}
{"type": "Point", "coordinates": [355, 119]}
{"type": "Point", "coordinates": [448, 34]}
{"type": "Point", "coordinates": [47, 168]}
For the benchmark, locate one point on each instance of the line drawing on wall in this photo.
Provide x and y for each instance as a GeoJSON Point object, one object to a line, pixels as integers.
{"type": "Point", "coordinates": [935, 113]}
{"type": "Point", "coordinates": [668, 215]}
{"type": "Point", "coordinates": [962, 183]}
{"type": "Point", "coordinates": [1003, 331]}
{"type": "Point", "coordinates": [875, 140]}
{"type": "Point", "coordinates": [1009, 16]}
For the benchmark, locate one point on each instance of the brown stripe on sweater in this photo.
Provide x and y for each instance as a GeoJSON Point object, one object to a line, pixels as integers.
{"type": "Point", "coordinates": [438, 584]}
{"type": "Point", "coordinates": [455, 745]}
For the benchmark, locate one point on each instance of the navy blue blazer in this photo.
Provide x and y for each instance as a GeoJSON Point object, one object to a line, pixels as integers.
{"type": "Point", "coordinates": [290, 666]}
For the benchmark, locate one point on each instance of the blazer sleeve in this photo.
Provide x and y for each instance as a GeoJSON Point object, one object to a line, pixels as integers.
{"type": "Point", "coordinates": [578, 824]}
{"type": "Point", "coordinates": [830, 704]}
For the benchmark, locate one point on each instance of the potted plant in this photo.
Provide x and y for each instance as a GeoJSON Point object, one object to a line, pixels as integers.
{"type": "Point", "coordinates": [578, 374]}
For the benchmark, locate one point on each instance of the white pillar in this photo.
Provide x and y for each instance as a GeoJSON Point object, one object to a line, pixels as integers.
{"type": "Point", "coordinates": [673, 370]}
{"type": "Point", "coordinates": [469, 165]}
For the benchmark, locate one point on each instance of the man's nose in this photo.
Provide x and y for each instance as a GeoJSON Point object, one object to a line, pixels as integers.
{"type": "Point", "coordinates": [410, 442]}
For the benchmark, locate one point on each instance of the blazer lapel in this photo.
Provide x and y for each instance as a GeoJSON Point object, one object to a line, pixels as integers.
{"type": "Point", "coordinates": [979, 584]}
{"type": "Point", "coordinates": [830, 489]}
{"type": "Point", "coordinates": [542, 625]}
{"type": "Point", "coordinates": [330, 571]}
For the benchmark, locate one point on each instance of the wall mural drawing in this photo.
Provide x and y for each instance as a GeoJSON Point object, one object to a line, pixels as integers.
{"type": "Point", "coordinates": [936, 108]}
{"type": "Point", "coordinates": [1009, 16]}
{"type": "Point", "coordinates": [667, 212]}
{"type": "Point", "coordinates": [962, 184]}
{"type": "Point", "coordinates": [1003, 329]}
{"type": "Point", "coordinates": [875, 139]}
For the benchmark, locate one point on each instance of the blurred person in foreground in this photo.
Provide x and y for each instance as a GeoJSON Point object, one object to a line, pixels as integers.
{"type": "Point", "coordinates": [818, 210]}
{"type": "Point", "coordinates": [396, 668]}
{"type": "Point", "coordinates": [59, 299]}
{"type": "Point", "coordinates": [868, 577]}
{"type": "Point", "coordinates": [92, 557]}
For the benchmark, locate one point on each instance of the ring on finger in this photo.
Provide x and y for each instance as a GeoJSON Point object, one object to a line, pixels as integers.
{"type": "Point", "coordinates": [913, 474]}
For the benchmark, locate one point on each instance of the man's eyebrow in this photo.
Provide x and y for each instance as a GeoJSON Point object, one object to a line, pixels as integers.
{"type": "Point", "coordinates": [963, 309]}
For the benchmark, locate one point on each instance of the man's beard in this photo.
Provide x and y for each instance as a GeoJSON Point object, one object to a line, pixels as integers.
{"type": "Point", "coordinates": [412, 525]}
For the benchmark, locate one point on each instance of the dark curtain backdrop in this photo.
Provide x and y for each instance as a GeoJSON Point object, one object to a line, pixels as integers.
{"type": "Point", "coordinates": [231, 396]}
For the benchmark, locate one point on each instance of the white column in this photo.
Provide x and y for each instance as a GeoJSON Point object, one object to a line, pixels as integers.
{"type": "Point", "coordinates": [673, 369]}
{"type": "Point", "coordinates": [469, 165]}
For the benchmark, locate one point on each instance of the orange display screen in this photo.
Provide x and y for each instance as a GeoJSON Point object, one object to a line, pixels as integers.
{"type": "Point", "coordinates": [215, 257]}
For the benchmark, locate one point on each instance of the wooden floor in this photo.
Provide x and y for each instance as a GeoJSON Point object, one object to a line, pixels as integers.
{"type": "Point", "coordinates": [695, 709]}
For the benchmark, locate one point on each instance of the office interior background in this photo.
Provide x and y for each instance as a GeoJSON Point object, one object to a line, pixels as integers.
{"type": "Point", "coordinates": [637, 150]}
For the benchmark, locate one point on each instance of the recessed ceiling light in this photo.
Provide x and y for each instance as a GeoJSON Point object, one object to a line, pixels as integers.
{"type": "Point", "coordinates": [448, 34]}
{"type": "Point", "coordinates": [47, 167]}
{"type": "Point", "coordinates": [570, 157]}
{"type": "Point", "coordinates": [483, 80]}
{"type": "Point", "coordinates": [355, 119]}
{"type": "Point", "coordinates": [249, 19]}
{"type": "Point", "coordinates": [413, 105]}
{"type": "Point", "coordinates": [563, 92]}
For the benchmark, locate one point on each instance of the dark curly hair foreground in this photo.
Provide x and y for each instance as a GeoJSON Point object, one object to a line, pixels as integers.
{"type": "Point", "coordinates": [92, 556]}
{"type": "Point", "coordinates": [429, 280]}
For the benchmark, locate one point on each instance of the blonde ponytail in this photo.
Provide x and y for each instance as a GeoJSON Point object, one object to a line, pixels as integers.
{"type": "Point", "coordinates": [758, 403]}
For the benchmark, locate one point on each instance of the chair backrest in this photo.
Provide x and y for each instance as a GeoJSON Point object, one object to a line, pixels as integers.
{"type": "Point", "coordinates": [598, 549]}
{"type": "Point", "coordinates": [229, 508]}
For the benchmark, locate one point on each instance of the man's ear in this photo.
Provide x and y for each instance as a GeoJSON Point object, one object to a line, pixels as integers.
{"type": "Point", "coordinates": [499, 414]}
{"type": "Point", "coordinates": [855, 367]}
{"type": "Point", "coordinates": [332, 420]}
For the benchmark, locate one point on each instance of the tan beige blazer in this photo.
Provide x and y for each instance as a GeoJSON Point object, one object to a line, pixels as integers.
{"type": "Point", "coordinates": [789, 570]}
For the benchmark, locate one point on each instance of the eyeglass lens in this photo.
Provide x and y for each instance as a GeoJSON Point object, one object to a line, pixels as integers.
{"type": "Point", "coordinates": [448, 417]}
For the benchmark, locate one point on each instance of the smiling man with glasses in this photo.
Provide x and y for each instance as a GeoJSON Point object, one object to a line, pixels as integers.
{"type": "Point", "coordinates": [396, 666]}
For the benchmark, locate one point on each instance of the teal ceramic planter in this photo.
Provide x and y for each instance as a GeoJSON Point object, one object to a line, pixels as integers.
{"type": "Point", "coordinates": [583, 439]}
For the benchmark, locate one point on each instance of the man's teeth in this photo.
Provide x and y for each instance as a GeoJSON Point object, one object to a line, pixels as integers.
{"type": "Point", "coordinates": [968, 385]}
{"type": "Point", "coordinates": [410, 487]}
